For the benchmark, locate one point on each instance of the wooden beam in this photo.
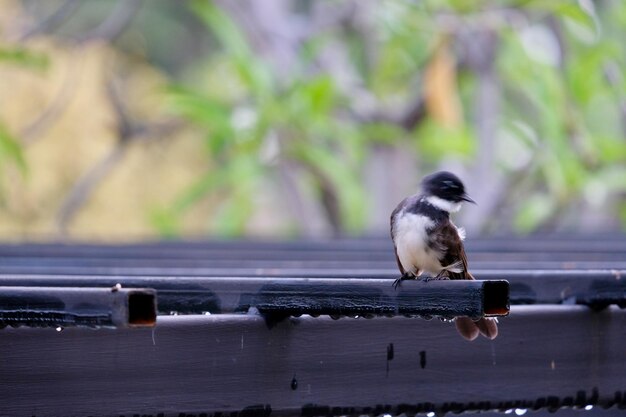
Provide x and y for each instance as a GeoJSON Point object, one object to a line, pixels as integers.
{"type": "Point", "coordinates": [544, 357]}
{"type": "Point", "coordinates": [277, 299]}
{"type": "Point", "coordinates": [214, 294]}
{"type": "Point", "coordinates": [579, 244]}
{"type": "Point", "coordinates": [71, 306]}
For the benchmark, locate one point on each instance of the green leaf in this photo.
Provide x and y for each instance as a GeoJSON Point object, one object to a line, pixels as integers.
{"type": "Point", "coordinates": [611, 149]}
{"type": "Point", "coordinates": [165, 221]}
{"type": "Point", "coordinates": [210, 113]}
{"type": "Point", "coordinates": [383, 132]}
{"type": "Point", "coordinates": [243, 173]}
{"type": "Point", "coordinates": [252, 70]}
{"type": "Point", "coordinates": [534, 211]}
{"type": "Point", "coordinates": [205, 185]}
{"type": "Point", "coordinates": [232, 217]}
{"type": "Point", "coordinates": [10, 149]}
{"type": "Point", "coordinates": [223, 27]}
{"type": "Point", "coordinates": [196, 106]}
{"type": "Point", "coordinates": [437, 141]}
{"type": "Point", "coordinates": [319, 94]}
{"type": "Point", "coordinates": [25, 58]}
{"type": "Point", "coordinates": [565, 9]}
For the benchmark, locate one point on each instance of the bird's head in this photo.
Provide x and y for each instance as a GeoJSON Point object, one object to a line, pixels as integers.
{"type": "Point", "coordinates": [445, 190]}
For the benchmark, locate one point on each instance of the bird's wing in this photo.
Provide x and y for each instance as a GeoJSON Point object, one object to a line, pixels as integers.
{"type": "Point", "coordinates": [448, 242]}
{"type": "Point", "coordinates": [392, 221]}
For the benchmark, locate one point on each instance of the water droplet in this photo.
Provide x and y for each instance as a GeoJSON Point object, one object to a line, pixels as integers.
{"type": "Point", "coordinates": [509, 411]}
{"type": "Point", "coordinates": [520, 411]}
{"type": "Point", "coordinates": [59, 329]}
{"type": "Point", "coordinates": [386, 415]}
{"type": "Point", "coordinates": [431, 414]}
{"type": "Point", "coordinates": [589, 407]}
{"type": "Point", "coordinates": [206, 313]}
{"type": "Point", "coordinates": [173, 313]}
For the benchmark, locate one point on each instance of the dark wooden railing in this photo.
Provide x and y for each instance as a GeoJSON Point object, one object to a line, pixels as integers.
{"type": "Point", "coordinates": [248, 328]}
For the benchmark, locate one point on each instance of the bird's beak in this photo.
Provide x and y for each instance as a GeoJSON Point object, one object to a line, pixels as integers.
{"type": "Point", "coordinates": [468, 199]}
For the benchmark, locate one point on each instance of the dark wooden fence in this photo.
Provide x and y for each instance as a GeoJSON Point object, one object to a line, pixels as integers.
{"type": "Point", "coordinates": [222, 345]}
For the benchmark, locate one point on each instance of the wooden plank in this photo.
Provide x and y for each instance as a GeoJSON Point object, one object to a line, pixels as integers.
{"type": "Point", "coordinates": [581, 245]}
{"type": "Point", "coordinates": [544, 357]}
{"type": "Point", "coordinates": [71, 306]}
{"type": "Point", "coordinates": [277, 299]}
{"type": "Point", "coordinates": [215, 294]}
{"type": "Point", "coordinates": [66, 265]}
{"type": "Point", "coordinates": [268, 253]}
{"type": "Point", "coordinates": [444, 298]}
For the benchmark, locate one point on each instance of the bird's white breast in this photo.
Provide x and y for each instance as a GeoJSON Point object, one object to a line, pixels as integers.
{"type": "Point", "coordinates": [411, 237]}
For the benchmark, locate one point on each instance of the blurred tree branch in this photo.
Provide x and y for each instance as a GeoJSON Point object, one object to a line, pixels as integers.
{"type": "Point", "coordinates": [358, 89]}
{"type": "Point", "coordinates": [481, 56]}
{"type": "Point", "coordinates": [128, 131]}
{"type": "Point", "coordinates": [110, 28]}
{"type": "Point", "coordinates": [615, 77]}
{"type": "Point", "coordinates": [52, 21]}
{"type": "Point", "coordinates": [113, 26]}
{"type": "Point", "coordinates": [35, 129]}
{"type": "Point", "coordinates": [117, 22]}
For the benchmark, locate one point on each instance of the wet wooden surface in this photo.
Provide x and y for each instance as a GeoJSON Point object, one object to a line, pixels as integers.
{"type": "Point", "coordinates": [552, 351]}
{"type": "Point", "coordinates": [547, 356]}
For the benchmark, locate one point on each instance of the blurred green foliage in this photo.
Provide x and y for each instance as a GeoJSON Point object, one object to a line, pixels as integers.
{"type": "Point", "coordinates": [570, 109]}
{"type": "Point", "coordinates": [254, 122]}
{"type": "Point", "coordinates": [358, 71]}
{"type": "Point", "coordinates": [11, 153]}
{"type": "Point", "coordinates": [559, 66]}
{"type": "Point", "coordinates": [23, 58]}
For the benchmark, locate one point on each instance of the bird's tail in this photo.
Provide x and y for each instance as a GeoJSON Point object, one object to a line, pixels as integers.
{"type": "Point", "coordinates": [470, 329]}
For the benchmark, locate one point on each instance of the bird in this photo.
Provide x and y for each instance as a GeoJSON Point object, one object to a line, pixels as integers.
{"type": "Point", "coordinates": [425, 240]}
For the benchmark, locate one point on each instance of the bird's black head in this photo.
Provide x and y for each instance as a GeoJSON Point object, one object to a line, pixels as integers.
{"type": "Point", "coordinates": [446, 186]}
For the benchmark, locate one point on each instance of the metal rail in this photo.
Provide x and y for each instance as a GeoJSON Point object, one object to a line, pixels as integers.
{"type": "Point", "coordinates": [544, 357]}
{"type": "Point", "coordinates": [69, 306]}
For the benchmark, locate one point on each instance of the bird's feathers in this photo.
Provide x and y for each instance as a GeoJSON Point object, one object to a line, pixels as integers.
{"type": "Point", "coordinates": [426, 240]}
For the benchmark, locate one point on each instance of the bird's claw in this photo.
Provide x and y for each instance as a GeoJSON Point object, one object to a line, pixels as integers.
{"type": "Point", "coordinates": [440, 276]}
{"type": "Point", "coordinates": [398, 281]}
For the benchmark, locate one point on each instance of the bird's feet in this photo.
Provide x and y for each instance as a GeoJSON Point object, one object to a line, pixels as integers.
{"type": "Point", "coordinates": [404, 277]}
{"type": "Point", "coordinates": [441, 275]}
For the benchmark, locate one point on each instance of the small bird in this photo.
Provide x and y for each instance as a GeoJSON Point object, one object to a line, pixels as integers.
{"type": "Point", "coordinates": [426, 240]}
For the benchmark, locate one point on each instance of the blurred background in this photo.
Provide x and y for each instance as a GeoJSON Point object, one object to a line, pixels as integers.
{"type": "Point", "coordinates": [136, 119]}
